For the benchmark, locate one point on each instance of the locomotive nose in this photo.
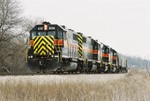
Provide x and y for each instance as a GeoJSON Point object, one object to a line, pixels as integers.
{"type": "Point", "coordinates": [44, 45]}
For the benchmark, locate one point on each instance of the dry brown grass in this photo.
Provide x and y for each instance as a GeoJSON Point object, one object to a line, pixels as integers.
{"type": "Point", "coordinates": [134, 87]}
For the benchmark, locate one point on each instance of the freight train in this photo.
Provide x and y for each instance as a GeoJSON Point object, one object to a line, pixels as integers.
{"type": "Point", "coordinates": [57, 49]}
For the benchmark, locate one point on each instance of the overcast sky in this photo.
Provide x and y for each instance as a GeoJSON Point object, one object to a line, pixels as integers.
{"type": "Point", "coordinates": [121, 24]}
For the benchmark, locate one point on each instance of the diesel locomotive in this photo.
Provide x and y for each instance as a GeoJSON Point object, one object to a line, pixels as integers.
{"type": "Point", "coordinates": [55, 48]}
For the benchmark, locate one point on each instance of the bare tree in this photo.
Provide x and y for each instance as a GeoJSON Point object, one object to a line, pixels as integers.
{"type": "Point", "coordinates": [14, 30]}
{"type": "Point", "coordinates": [30, 22]}
{"type": "Point", "coordinates": [10, 21]}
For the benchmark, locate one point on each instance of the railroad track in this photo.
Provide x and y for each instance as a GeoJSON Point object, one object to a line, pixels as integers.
{"type": "Point", "coordinates": [51, 73]}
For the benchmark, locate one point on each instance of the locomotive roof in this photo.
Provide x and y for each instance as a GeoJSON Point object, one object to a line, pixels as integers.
{"type": "Point", "coordinates": [113, 49]}
{"type": "Point", "coordinates": [53, 25]}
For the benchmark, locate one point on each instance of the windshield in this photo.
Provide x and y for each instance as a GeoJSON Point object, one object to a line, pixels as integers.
{"type": "Point", "coordinates": [41, 33]}
{"type": "Point", "coordinates": [95, 47]}
{"type": "Point", "coordinates": [51, 33]}
{"type": "Point", "coordinates": [58, 34]}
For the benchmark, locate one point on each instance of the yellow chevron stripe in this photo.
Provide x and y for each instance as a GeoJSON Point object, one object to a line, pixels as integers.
{"type": "Point", "coordinates": [52, 51]}
{"type": "Point", "coordinates": [47, 46]}
{"type": "Point", "coordinates": [41, 49]}
{"type": "Point", "coordinates": [36, 44]}
{"type": "Point", "coordinates": [79, 48]}
{"type": "Point", "coordinates": [51, 39]}
{"type": "Point", "coordinates": [39, 46]}
{"type": "Point", "coordinates": [42, 53]}
{"type": "Point", "coordinates": [80, 40]}
{"type": "Point", "coordinates": [34, 52]}
{"type": "Point", "coordinates": [80, 52]}
{"type": "Point", "coordinates": [79, 36]}
{"type": "Point", "coordinates": [80, 44]}
{"type": "Point", "coordinates": [47, 50]}
{"type": "Point", "coordinates": [80, 55]}
{"type": "Point", "coordinates": [50, 48]}
{"type": "Point", "coordinates": [42, 43]}
{"type": "Point", "coordinates": [36, 39]}
{"type": "Point", "coordinates": [41, 37]}
{"type": "Point", "coordinates": [46, 41]}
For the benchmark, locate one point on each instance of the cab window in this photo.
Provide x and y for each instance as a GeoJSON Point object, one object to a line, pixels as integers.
{"type": "Point", "coordinates": [84, 40]}
{"type": "Point", "coordinates": [115, 54]}
{"type": "Point", "coordinates": [41, 33]}
{"type": "Point", "coordinates": [96, 47]}
{"type": "Point", "coordinates": [75, 37]}
{"type": "Point", "coordinates": [60, 34]}
{"type": "Point", "coordinates": [51, 33]}
{"type": "Point", "coordinates": [105, 50]}
{"type": "Point", "coordinates": [64, 36]}
{"type": "Point", "coordinates": [112, 53]}
{"type": "Point", "coordinates": [32, 35]}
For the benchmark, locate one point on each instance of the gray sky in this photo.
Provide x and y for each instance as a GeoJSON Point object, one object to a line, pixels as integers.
{"type": "Point", "coordinates": [122, 24]}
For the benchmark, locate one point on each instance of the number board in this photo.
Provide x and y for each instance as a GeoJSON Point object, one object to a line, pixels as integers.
{"type": "Point", "coordinates": [40, 28]}
{"type": "Point", "coordinates": [51, 28]}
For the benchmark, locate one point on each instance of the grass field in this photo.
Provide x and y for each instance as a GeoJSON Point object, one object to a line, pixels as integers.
{"type": "Point", "coordinates": [135, 86]}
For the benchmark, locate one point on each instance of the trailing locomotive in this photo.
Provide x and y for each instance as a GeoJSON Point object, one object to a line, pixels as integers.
{"type": "Point", "coordinates": [58, 49]}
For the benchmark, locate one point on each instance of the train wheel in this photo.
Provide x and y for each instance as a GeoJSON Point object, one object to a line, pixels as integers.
{"type": "Point", "coordinates": [114, 70]}
{"type": "Point", "coordinates": [117, 70]}
{"type": "Point", "coordinates": [106, 69]}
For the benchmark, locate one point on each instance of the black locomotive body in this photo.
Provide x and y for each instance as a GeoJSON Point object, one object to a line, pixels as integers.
{"type": "Point", "coordinates": [55, 48]}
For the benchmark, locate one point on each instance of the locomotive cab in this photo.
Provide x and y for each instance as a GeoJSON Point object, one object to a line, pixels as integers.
{"type": "Point", "coordinates": [95, 50]}
{"type": "Point", "coordinates": [105, 54]}
{"type": "Point", "coordinates": [113, 61]}
{"type": "Point", "coordinates": [105, 58]}
{"type": "Point", "coordinates": [96, 56]}
{"type": "Point", "coordinates": [46, 29]}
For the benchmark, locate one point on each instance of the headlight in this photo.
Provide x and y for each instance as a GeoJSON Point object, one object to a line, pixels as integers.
{"type": "Point", "coordinates": [30, 56]}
